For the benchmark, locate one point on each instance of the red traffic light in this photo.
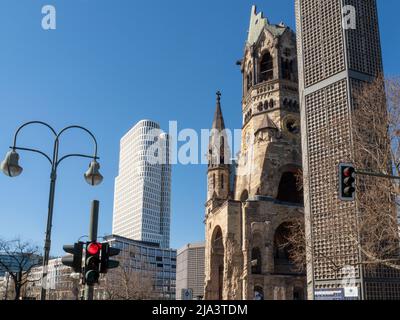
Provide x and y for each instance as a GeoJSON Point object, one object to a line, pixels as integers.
{"type": "Point", "coordinates": [348, 172]}
{"type": "Point", "coordinates": [347, 182]}
{"type": "Point", "coordinates": [93, 248]}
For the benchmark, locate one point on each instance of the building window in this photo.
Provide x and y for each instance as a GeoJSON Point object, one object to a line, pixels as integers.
{"type": "Point", "coordinates": [244, 196]}
{"type": "Point", "coordinates": [258, 293]}
{"type": "Point", "coordinates": [249, 80]}
{"type": "Point", "coordinates": [288, 190]}
{"type": "Point", "coordinates": [266, 68]}
{"type": "Point", "coordinates": [222, 181]}
{"type": "Point", "coordinates": [222, 151]}
{"type": "Point", "coordinates": [271, 103]}
{"type": "Point", "coordinates": [283, 263]}
{"type": "Point", "coordinates": [287, 69]}
{"type": "Point", "coordinates": [298, 294]}
{"type": "Point", "coordinates": [256, 262]}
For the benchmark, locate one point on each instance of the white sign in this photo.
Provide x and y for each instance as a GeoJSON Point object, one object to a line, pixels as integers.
{"type": "Point", "coordinates": [351, 292]}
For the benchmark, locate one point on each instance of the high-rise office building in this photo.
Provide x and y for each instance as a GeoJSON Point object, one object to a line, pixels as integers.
{"type": "Point", "coordinates": [338, 50]}
{"type": "Point", "coordinates": [190, 273]}
{"type": "Point", "coordinates": [143, 186]}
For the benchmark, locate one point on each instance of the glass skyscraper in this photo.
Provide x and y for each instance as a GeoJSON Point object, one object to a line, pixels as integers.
{"type": "Point", "coordinates": [143, 186]}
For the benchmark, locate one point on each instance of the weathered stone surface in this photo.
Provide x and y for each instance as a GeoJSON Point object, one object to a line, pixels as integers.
{"type": "Point", "coordinates": [245, 226]}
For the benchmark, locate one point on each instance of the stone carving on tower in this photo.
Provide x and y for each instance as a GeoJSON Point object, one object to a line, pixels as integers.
{"type": "Point", "coordinates": [247, 221]}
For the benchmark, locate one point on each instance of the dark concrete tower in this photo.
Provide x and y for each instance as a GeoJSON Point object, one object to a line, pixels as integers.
{"type": "Point", "coordinates": [335, 56]}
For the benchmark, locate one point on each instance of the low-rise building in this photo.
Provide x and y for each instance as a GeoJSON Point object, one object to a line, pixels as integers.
{"type": "Point", "coordinates": [190, 274]}
{"type": "Point", "coordinates": [61, 282]}
{"type": "Point", "coordinates": [146, 272]}
{"type": "Point", "coordinates": [151, 269]}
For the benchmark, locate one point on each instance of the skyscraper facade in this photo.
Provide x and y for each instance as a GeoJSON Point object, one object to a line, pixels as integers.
{"type": "Point", "coordinates": [338, 50]}
{"type": "Point", "coordinates": [143, 186]}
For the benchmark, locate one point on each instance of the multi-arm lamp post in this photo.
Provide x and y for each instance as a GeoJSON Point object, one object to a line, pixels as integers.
{"type": "Point", "coordinates": [10, 166]}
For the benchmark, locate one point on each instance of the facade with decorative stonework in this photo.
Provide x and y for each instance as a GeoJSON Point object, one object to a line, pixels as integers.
{"type": "Point", "coordinates": [247, 221]}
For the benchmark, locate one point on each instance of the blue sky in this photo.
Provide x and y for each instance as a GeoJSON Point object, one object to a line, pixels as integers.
{"type": "Point", "coordinates": [108, 65]}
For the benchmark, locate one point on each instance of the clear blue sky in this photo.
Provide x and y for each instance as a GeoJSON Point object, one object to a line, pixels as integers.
{"type": "Point", "coordinates": [108, 65]}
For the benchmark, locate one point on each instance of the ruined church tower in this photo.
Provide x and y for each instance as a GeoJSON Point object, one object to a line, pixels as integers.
{"type": "Point", "coordinates": [246, 226]}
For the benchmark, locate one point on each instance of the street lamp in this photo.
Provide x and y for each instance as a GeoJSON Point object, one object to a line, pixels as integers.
{"type": "Point", "coordinates": [93, 176]}
{"type": "Point", "coordinates": [10, 167]}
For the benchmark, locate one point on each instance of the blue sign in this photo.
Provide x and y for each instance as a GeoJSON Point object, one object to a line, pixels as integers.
{"type": "Point", "coordinates": [329, 294]}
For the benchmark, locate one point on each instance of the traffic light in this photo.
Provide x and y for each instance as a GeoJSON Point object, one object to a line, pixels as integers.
{"type": "Point", "coordinates": [106, 252]}
{"type": "Point", "coordinates": [74, 259]}
{"type": "Point", "coordinates": [347, 181]}
{"type": "Point", "coordinates": [92, 263]}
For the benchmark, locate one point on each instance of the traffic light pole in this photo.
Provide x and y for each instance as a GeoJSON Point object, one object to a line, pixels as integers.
{"type": "Point", "coordinates": [373, 174]}
{"type": "Point", "coordinates": [94, 221]}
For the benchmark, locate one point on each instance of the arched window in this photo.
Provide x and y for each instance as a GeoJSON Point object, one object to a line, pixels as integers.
{"type": "Point", "coordinates": [258, 293]}
{"type": "Point", "coordinates": [281, 242]}
{"type": "Point", "coordinates": [249, 80]}
{"type": "Point", "coordinates": [256, 262]}
{"type": "Point", "coordinates": [271, 103]}
{"type": "Point", "coordinates": [266, 68]}
{"type": "Point", "coordinates": [282, 249]}
{"type": "Point", "coordinates": [260, 107]}
{"type": "Point", "coordinates": [298, 293]}
{"type": "Point", "coordinates": [222, 151]}
{"type": "Point", "coordinates": [288, 190]}
{"type": "Point", "coordinates": [222, 181]}
{"type": "Point", "coordinates": [217, 264]}
{"type": "Point", "coordinates": [285, 103]}
{"type": "Point", "coordinates": [213, 181]}
{"type": "Point", "coordinates": [286, 69]}
{"type": "Point", "coordinates": [244, 196]}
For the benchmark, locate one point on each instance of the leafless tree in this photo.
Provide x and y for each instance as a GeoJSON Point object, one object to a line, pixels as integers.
{"type": "Point", "coordinates": [17, 260]}
{"type": "Point", "coordinates": [127, 283]}
{"type": "Point", "coordinates": [375, 131]}
{"type": "Point", "coordinates": [376, 138]}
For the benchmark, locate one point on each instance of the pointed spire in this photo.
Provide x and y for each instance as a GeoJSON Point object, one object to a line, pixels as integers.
{"type": "Point", "coordinates": [218, 122]}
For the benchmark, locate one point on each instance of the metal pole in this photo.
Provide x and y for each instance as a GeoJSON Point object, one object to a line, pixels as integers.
{"type": "Point", "coordinates": [47, 242]}
{"type": "Point", "coordinates": [54, 162]}
{"type": "Point", "coordinates": [374, 174]}
{"type": "Point", "coordinates": [94, 221]}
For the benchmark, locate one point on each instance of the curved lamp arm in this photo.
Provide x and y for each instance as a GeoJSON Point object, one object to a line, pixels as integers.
{"type": "Point", "coordinates": [84, 129]}
{"type": "Point", "coordinates": [55, 162]}
{"type": "Point", "coordinates": [34, 150]}
{"type": "Point", "coordinates": [14, 147]}
{"type": "Point", "coordinates": [75, 155]}
{"type": "Point", "coordinates": [29, 123]}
